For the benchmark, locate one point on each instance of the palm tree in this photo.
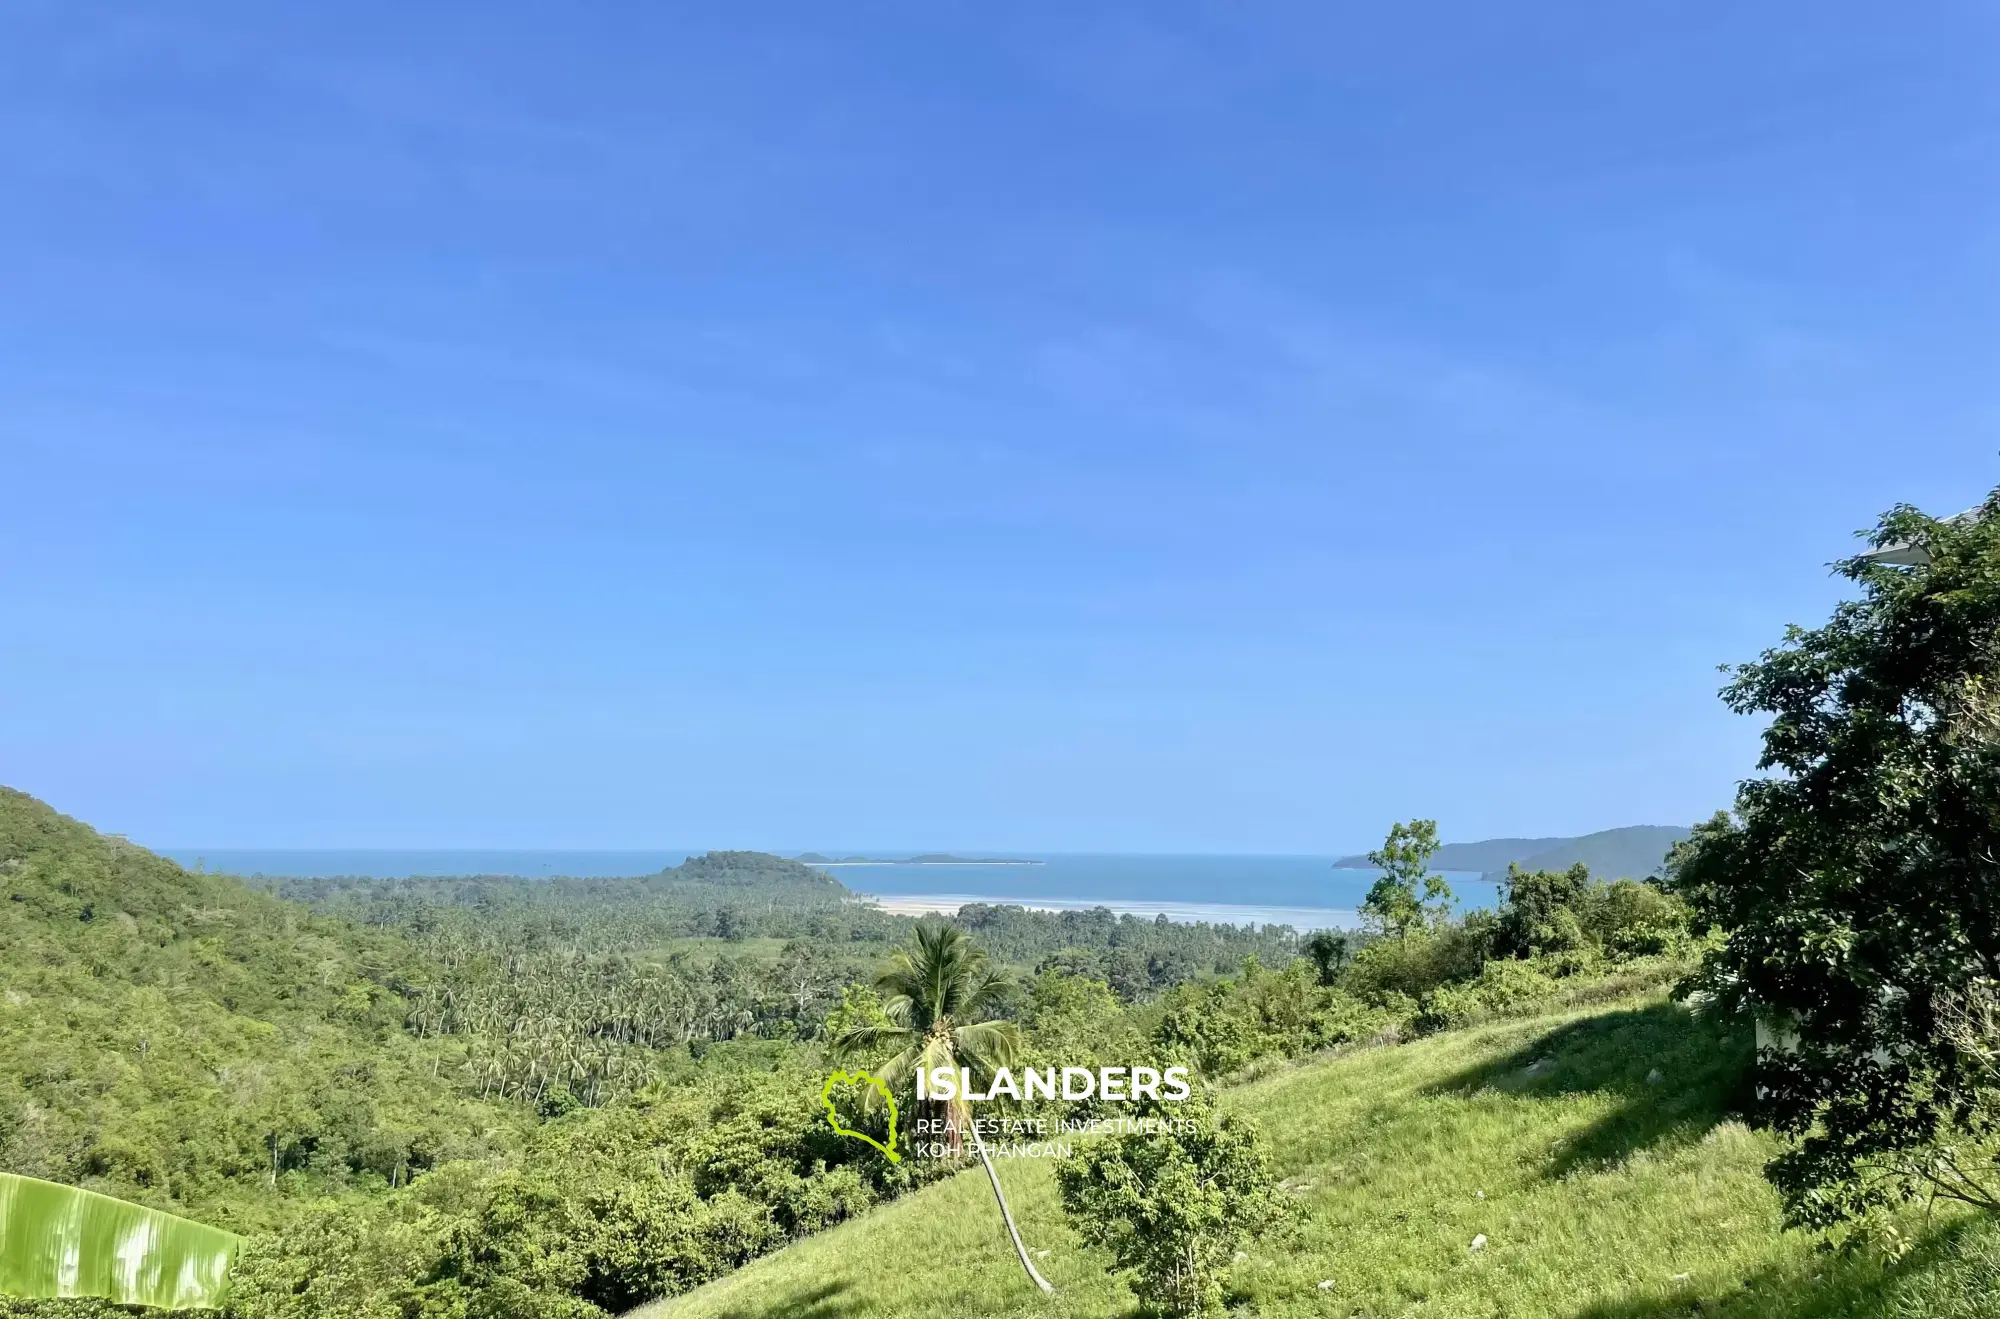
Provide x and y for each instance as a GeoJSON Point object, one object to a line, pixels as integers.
{"type": "Point", "coordinates": [933, 993]}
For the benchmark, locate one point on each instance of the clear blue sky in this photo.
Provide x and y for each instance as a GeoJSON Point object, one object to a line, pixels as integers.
{"type": "Point", "coordinates": [1151, 427]}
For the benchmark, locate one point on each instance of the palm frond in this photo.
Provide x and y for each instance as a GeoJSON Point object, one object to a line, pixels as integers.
{"type": "Point", "coordinates": [61, 1241]}
{"type": "Point", "coordinates": [856, 1038]}
{"type": "Point", "coordinates": [937, 1052]}
{"type": "Point", "coordinates": [896, 1072]}
{"type": "Point", "coordinates": [941, 976]}
{"type": "Point", "coordinates": [901, 989]}
{"type": "Point", "coordinates": [987, 995]}
{"type": "Point", "coordinates": [986, 1045]}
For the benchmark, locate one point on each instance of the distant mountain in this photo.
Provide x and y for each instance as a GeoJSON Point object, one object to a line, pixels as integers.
{"type": "Point", "coordinates": [1492, 854]}
{"type": "Point", "coordinates": [1633, 852]}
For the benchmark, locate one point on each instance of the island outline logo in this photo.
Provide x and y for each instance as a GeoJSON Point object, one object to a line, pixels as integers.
{"type": "Point", "coordinates": [859, 1077]}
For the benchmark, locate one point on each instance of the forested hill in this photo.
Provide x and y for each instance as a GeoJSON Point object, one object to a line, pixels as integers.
{"type": "Point", "coordinates": [1488, 854]}
{"type": "Point", "coordinates": [752, 870]}
{"type": "Point", "coordinates": [726, 895]}
{"type": "Point", "coordinates": [1633, 852]}
{"type": "Point", "coordinates": [206, 1047]}
{"type": "Point", "coordinates": [557, 1098]}
{"type": "Point", "coordinates": [172, 1037]}
{"type": "Point", "coordinates": [711, 877]}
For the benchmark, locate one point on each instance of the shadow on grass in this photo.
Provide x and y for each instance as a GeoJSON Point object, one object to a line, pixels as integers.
{"type": "Point", "coordinates": [828, 1300]}
{"type": "Point", "coordinates": [1674, 1076]}
{"type": "Point", "coordinates": [1953, 1273]}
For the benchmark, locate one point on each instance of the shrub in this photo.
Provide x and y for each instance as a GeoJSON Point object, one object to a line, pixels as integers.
{"type": "Point", "coordinates": [1542, 911]}
{"type": "Point", "coordinates": [1204, 1021]}
{"type": "Point", "coordinates": [1634, 919]}
{"type": "Point", "coordinates": [1173, 1207]}
{"type": "Point", "coordinates": [1420, 961]}
{"type": "Point", "coordinates": [1566, 912]}
{"type": "Point", "coordinates": [1223, 1026]}
{"type": "Point", "coordinates": [1328, 951]}
{"type": "Point", "coordinates": [1503, 985]}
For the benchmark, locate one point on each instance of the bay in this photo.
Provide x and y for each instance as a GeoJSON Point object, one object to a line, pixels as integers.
{"type": "Point", "coordinates": [1305, 892]}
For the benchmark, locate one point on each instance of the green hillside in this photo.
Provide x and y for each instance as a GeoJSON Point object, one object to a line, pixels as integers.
{"type": "Point", "coordinates": [1600, 1195]}
{"type": "Point", "coordinates": [186, 1042]}
{"type": "Point", "coordinates": [429, 1099]}
{"type": "Point", "coordinates": [499, 1099]}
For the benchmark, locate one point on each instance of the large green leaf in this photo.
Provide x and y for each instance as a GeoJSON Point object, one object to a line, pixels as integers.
{"type": "Point", "coordinates": [61, 1241]}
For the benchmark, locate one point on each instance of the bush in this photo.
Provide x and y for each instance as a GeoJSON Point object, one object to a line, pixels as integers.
{"type": "Point", "coordinates": [1542, 911]}
{"type": "Point", "coordinates": [1503, 985]}
{"type": "Point", "coordinates": [1421, 961]}
{"type": "Point", "coordinates": [1566, 912]}
{"type": "Point", "coordinates": [1223, 1026]}
{"type": "Point", "coordinates": [1640, 920]}
{"type": "Point", "coordinates": [1173, 1207]}
{"type": "Point", "coordinates": [606, 1209]}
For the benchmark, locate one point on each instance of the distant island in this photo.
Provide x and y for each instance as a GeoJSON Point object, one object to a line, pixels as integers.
{"type": "Point", "coordinates": [925, 859]}
{"type": "Point", "coordinates": [1637, 851]}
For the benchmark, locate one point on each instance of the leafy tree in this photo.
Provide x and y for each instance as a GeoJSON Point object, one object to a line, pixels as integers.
{"type": "Point", "coordinates": [859, 1006]}
{"type": "Point", "coordinates": [1062, 1006]}
{"type": "Point", "coordinates": [809, 978]}
{"type": "Point", "coordinates": [1859, 880]}
{"type": "Point", "coordinates": [1169, 966]}
{"type": "Point", "coordinates": [1569, 915]}
{"type": "Point", "coordinates": [933, 994]}
{"type": "Point", "coordinates": [1126, 971]}
{"type": "Point", "coordinates": [1172, 1207]}
{"type": "Point", "coordinates": [1408, 895]}
{"type": "Point", "coordinates": [1636, 918]}
{"type": "Point", "coordinates": [1543, 911]}
{"type": "Point", "coordinates": [1074, 962]}
{"type": "Point", "coordinates": [1074, 1021]}
{"type": "Point", "coordinates": [1328, 951]}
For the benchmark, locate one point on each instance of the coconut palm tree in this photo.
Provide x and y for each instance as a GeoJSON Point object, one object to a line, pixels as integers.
{"type": "Point", "coordinates": [934, 993]}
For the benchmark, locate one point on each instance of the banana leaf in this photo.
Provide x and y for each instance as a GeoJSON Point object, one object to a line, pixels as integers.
{"type": "Point", "coordinates": [60, 1241]}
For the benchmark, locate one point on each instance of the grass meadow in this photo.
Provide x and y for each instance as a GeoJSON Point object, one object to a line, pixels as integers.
{"type": "Point", "coordinates": [1595, 1151]}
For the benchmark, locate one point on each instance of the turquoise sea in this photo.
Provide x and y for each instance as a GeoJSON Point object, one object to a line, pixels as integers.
{"type": "Point", "coordinates": [1302, 891]}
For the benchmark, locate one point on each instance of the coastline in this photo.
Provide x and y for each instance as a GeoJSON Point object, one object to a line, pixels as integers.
{"type": "Point", "coordinates": [1303, 919]}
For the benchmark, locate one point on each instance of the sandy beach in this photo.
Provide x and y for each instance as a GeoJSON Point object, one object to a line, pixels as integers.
{"type": "Point", "coordinates": [1215, 913]}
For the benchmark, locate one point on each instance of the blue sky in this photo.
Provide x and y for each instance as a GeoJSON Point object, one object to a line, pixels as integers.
{"type": "Point", "coordinates": [1160, 427]}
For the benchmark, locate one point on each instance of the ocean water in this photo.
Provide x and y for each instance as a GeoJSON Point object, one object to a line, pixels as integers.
{"type": "Point", "coordinates": [1305, 892]}
{"type": "Point", "coordinates": [1289, 881]}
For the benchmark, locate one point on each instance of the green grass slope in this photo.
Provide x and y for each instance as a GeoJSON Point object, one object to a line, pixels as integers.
{"type": "Point", "coordinates": [1602, 1195]}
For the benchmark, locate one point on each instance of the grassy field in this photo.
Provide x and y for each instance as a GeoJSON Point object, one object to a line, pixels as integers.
{"type": "Point", "coordinates": [1594, 1150]}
